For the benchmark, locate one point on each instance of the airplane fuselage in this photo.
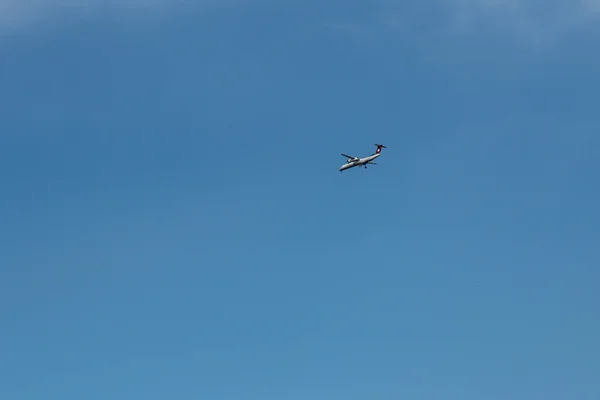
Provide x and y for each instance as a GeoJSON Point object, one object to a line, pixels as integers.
{"type": "Point", "coordinates": [359, 162]}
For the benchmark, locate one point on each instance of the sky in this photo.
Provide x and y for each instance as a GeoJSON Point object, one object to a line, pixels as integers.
{"type": "Point", "coordinates": [174, 224]}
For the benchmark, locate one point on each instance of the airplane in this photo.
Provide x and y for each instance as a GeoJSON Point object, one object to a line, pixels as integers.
{"type": "Point", "coordinates": [357, 162]}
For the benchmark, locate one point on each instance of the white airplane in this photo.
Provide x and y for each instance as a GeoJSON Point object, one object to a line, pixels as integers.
{"type": "Point", "coordinates": [357, 162]}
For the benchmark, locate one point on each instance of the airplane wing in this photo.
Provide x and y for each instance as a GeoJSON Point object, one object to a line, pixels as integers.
{"type": "Point", "coordinates": [347, 156]}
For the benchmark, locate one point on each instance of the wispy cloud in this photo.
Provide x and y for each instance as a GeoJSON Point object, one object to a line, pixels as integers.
{"type": "Point", "coordinates": [527, 22]}
{"type": "Point", "coordinates": [21, 13]}
{"type": "Point", "coordinates": [536, 21]}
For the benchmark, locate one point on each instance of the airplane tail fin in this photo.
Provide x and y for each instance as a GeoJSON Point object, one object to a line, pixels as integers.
{"type": "Point", "coordinates": [379, 147]}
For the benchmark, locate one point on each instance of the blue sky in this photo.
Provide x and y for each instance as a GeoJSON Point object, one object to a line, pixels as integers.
{"type": "Point", "coordinates": [174, 224]}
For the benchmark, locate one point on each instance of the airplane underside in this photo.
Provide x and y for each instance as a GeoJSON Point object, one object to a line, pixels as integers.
{"type": "Point", "coordinates": [359, 165]}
